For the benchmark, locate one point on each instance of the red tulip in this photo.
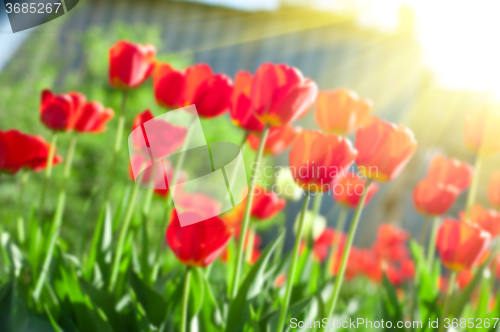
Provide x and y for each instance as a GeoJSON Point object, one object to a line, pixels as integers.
{"type": "Point", "coordinates": [399, 273]}
{"type": "Point", "coordinates": [150, 178]}
{"type": "Point", "coordinates": [210, 93]}
{"type": "Point", "coordinates": [60, 112]}
{"type": "Point", "coordinates": [18, 150]}
{"type": "Point", "coordinates": [317, 159]}
{"type": "Point", "coordinates": [451, 172]}
{"type": "Point", "coordinates": [481, 131]}
{"type": "Point", "coordinates": [241, 110]}
{"type": "Point", "coordinates": [161, 136]}
{"type": "Point", "coordinates": [341, 111]}
{"type": "Point", "coordinates": [266, 204]}
{"type": "Point", "coordinates": [325, 241]}
{"type": "Point", "coordinates": [349, 188]}
{"type": "Point", "coordinates": [488, 220]}
{"type": "Point", "coordinates": [280, 94]}
{"type": "Point", "coordinates": [383, 149]}
{"type": "Point", "coordinates": [197, 202]}
{"type": "Point", "coordinates": [394, 275]}
{"type": "Point", "coordinates": [130, 64]}
{"type": "Point", "coordinates": [198, 244]}
{"type": "Point", "coordinates": [141, 118]}
{"type": "Point", "coordinates": [460, 244]}
{"type": "Point", "coordinates": [278, 140]}
{"type": "Point", "coordinates": [494, 189]}
{"type": "Point", "coordinates": [93, 118]}
{"type": "Point", "coordinates": [407, 268]}
{"type": "Point", "coordinates": [434, 198]}
{"type": "Point", "coordinates": [255, 256]}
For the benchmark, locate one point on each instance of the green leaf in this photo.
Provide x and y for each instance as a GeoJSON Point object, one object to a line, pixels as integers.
{"type": "Point", "coordinates": [105, 302]}
{"type": "Point", "coordinates": [152, 302]}
{"type": "Point", "coordinates": [196, 291]}
{"type": "Point", "coordinates": [96, 240]}
{"type": "Point", "coordinates": [52, 321]}
{"type": "Point", "coordinates": [145, 268]}
{"type": "Point", "coordinates": [309, 305]}
{"type": "Point", "coordinates": [238, 309]}
{"type": "Point", "coordinates": [390, 300]}
{"type": "Point", "coordinates": [484, 299]}
{"type": "Point", "coordinates": [211, 316]}
{"type": "Point", "coordinates": [465, 295]}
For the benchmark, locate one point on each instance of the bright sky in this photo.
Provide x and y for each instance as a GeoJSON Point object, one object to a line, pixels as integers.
{"type": "Point", "coordinates": [459, 37]}
{"type": "Point", "coordinates": [461, 41]}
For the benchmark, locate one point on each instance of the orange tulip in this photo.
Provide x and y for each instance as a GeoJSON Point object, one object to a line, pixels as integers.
{"type": "Point", "coordinates": [278, 140]}
{"type": "Point", "coordinates": [349, 188]}
{"type": "Point", "coordinates": [464, 278]}
{"type": "Point", "coordinates": [130, 64]}
{"type": "Point", "coordinates": [383, 149]}
{"type": "Point", "coordinates": [488, 220]}
{"type": "Point", "coordinates": [494, 189]}
{"type": "Point", "coordinates": [450, 171]}
{"type": "Point", "coordinates": [390, 245]}
{"type": "Point", "coordinates": [317, 159]}
{"type": "Point", "coordinates": [280, 94]}
{"type": "Point", "coordinates": [341, 111]}
{"type": "Point", "coordinates": [198, 85]}
{"type": "Point", "coordinates": [434, 198]}
{"type": "Point", "coordinates": [370, 265]}
{"type": "Point", "coordinates": [325, 241]}
{"type": "Point", "coordinates": [241, 110]}
{"type": "Point", "coordinates": [481, 130]}
{"type": "Point", "coordinates": [197, 244]}
{"type": "Point", "coordinates": [460, 244]}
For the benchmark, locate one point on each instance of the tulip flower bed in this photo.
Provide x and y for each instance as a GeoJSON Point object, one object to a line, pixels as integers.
{"type": "Point", "coordinates": [217, 274]}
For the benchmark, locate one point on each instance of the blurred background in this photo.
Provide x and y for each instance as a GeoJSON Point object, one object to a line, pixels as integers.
{"type": "Point", "coordinates": [422, 63]}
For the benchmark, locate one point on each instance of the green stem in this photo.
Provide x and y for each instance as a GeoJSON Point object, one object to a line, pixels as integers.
{"type": "Point", "coordinates": [117, 145]}
{"type": "Point", "coordinates": [315, 211]}
{"type": "Point", "coordinates": [57, 221]}
{"type": "Point", "coordinates": [423, 235]}
{"type": "Point", "coordinates": [20, 220]}
{"type": "Point", "coordinates": [431, 249]}
{"type": "Point", "coordinates": [352, 230]}
{"type": "Point", "coordinates": [332, 257]}
{"type": "Point", "coordinates": [185, 299]}
{"type": "Point", "coordinates": [246, 218]}
{"type": "Point", "coordinates": [121, 238]}
{"type": "Point", "coordinates": [293, 265]}
{"type": "Point", "coordinates": [449, 292]}
{"type": "Point", "coordinates": [471, 195]}
{"type": "Point", "coordinates": [48, 170]}
{"type": "Point", "coordinates": [280, 246]}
